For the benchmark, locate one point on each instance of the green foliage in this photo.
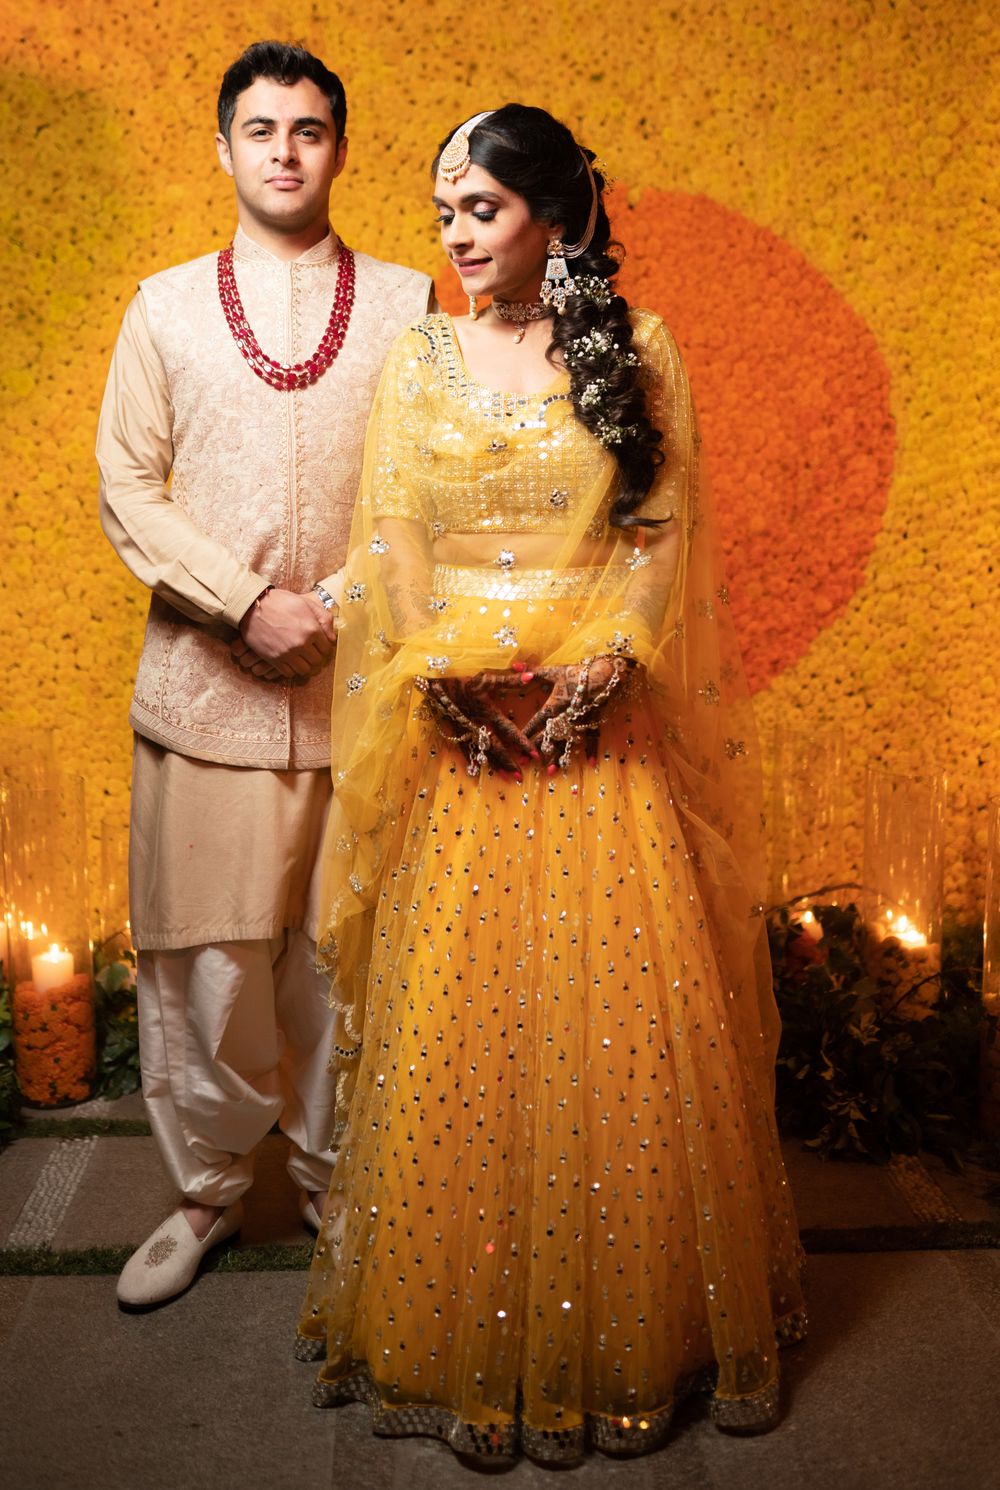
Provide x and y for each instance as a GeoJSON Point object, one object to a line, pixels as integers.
{"type": "Point", "coordinates": [860, 1070]}
{"type": "Point", "coordinates": [10, 1097]}
{"type": "Point", "coordinates": [117, 1025]}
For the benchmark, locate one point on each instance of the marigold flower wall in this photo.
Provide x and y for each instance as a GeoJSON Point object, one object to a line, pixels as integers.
{"type": "Point", "coordinates": [802, 190]}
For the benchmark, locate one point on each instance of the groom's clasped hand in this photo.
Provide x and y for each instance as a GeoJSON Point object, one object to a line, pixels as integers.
{"type": "Point", "coordinates": [285, 635]}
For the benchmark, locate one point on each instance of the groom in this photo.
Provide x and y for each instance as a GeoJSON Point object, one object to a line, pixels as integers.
{"type": "Point", "coordinates": [244, 378]}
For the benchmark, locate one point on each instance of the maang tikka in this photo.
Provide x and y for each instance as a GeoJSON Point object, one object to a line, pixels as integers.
{"type": "Point", "coordinates": [558, 283]}
{"type": "Point", "coordinates": [456, 157]}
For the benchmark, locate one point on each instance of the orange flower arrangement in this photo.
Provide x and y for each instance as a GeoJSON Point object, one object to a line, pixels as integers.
{"type": "Point", "coordinates": [793, 398]}
{"type": "Point", "coordinates": [54, 1041]}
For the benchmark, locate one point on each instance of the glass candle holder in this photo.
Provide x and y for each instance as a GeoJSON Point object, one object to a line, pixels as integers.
{"type": "Point", "coordinates": [27, 758]}
{"type": "Point", "coordinates": [810, 820]}
{"type": "Point", "coordinates": [52, 1002]}
{"type": "Point", "coordinates": [903, 885]}
{"type": "Point", "coordinates": [7, 905]}
{"type": "Point", "coordinates": [116, 934]}
{"type": "Point", "coordinates": [991, 974]}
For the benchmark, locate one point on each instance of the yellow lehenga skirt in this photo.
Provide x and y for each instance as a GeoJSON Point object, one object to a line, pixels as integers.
{"type": "Point", "coordinates": [559, 1204]}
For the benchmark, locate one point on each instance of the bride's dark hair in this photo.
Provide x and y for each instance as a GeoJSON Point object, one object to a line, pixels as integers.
{"type": "Point", "coordinates": [531, 153]}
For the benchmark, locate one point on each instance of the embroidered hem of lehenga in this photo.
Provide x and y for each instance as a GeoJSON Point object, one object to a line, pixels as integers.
{"type": "Point", "coordinates": [634, 1433]}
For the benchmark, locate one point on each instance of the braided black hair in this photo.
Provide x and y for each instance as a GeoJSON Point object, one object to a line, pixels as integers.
{"type": "Point", "coordinates": [531, 153]}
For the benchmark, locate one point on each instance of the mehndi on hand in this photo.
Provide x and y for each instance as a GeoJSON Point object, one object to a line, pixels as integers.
{"type": "Point", "coordinates": [576, 703]}
{"type": "Point", "coordinates": [479, 723]}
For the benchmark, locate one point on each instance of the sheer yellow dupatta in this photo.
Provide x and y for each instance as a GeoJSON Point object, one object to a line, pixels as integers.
{"type": "Point", "coordinates": [655, 595]}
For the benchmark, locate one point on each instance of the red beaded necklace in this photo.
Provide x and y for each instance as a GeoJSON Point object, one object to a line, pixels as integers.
{"type": "Point", "coordinates": [279, 374]}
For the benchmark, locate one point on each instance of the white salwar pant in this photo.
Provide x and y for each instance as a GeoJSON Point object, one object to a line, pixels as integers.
{"type": "Point", "coordinates": [234, 1037]}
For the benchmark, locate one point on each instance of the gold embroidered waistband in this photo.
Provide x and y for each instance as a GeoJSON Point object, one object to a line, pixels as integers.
{"type": "Point", "coordinates": [478, 582]}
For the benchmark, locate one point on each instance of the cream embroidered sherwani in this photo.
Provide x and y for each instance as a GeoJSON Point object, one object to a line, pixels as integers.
{"type": "Point", "coordinates": [213, 486]}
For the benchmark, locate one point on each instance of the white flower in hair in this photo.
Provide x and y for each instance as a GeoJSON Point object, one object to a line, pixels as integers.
{"type": "Point", "coordinates": [595, 289]}
{"type": "Point", "coordinates": [594, 344]}
{"type": "Point", "coordinates": [610, 433]}
{"type": "Point", "coordinates": [593, 394]}
{"type": "Point", "coordinates": [599, 346]}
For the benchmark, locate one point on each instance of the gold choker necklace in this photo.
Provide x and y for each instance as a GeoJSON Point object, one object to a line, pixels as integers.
{"type": "Point", "coordinates": [521, 313]}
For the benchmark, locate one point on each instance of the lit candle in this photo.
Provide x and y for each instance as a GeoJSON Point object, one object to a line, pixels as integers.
{"type": "Point", "coordinates": [51, 969]}
{"type": "Point", "coordinates": [811, 926]}
{"type": "Point", "coordinates": [903, 929]}
{"type": "Point", "coordinates": [907, 933]}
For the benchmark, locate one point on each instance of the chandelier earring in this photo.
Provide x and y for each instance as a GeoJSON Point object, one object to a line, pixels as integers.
{"type": "Point", "coordinates": [558, 284]}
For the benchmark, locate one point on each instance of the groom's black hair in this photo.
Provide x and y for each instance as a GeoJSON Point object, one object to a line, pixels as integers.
{"type": "Point", "coordinates": [283, 64]}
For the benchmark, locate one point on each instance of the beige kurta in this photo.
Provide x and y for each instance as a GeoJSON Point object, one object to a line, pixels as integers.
{"type": "Point", "coordinates": [214, 484]}
{"type": "Point", "coordinates": [221, 853]}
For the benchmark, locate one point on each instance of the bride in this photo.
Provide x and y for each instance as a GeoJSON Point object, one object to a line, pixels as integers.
{"type": "Point", "coordinates": [559, 1203]}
